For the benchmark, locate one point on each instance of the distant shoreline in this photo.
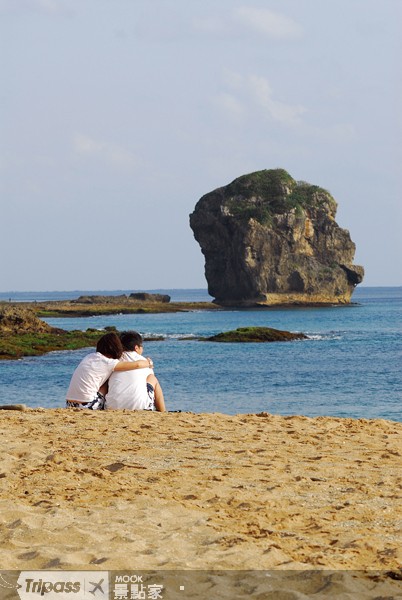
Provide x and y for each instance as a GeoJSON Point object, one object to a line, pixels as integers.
{"type": "Point", "coordinates": [68, 308]}
{"type": "Point", "coordinates": [5, 295]}
{"type": "Point", "coordinates": [73, 309]}
{"type": "Point", "coordinates": [177, 294]}
{"type": "Point", "coordinates": [64, 304]}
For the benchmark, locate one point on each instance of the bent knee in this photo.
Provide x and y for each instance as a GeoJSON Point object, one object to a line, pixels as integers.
{"type": "Point", "coordinates": [152, 380]}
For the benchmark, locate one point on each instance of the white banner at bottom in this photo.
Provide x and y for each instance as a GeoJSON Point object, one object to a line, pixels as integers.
{"type": "Point", "coordinates": [63, 585]}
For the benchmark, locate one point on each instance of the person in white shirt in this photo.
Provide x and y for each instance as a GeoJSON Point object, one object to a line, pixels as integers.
{"type": "Point", "coordinates": [88, 383]}
{"type": "Point", "coordinates": [134, 390]}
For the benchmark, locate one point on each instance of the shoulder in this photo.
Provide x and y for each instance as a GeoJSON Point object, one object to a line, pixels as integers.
{"type": "Point", "coordinates": [90, 358]}
{"type": "Point", "coordinates": [131, 356]}
{"type": "Point", "coordinates": [104, 360]}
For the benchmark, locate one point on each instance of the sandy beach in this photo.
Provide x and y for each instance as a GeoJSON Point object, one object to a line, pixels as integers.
{"type": "Point", "coordinates": [120, 490]}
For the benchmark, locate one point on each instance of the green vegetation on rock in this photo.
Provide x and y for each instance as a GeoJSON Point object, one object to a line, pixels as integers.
{"type": "Point", "coordinates": [267, 184]}
{"type": "Point", "coordinates": [262, 194]}
{"type": "Point", "coordinates": [256, 334]}
{"type": "Point", "coordinates": [243, 211]}
{"type": "Point", "coordinates": [16, 345]}
{"type": "Point", "coordinates": [305, 195]}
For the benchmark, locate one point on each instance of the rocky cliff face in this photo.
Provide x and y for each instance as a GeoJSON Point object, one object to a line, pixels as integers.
{"type": "Point", "coordinates": [268, 239]}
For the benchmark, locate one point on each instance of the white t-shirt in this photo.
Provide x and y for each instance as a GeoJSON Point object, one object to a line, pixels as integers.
{"type": "Point", "coordinates": [91, 373]}
{"type": "Point", "coordinates": [128, 389]}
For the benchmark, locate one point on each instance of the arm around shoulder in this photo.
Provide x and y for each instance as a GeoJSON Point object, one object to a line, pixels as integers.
{"type": "Point", "coordinates": [130, 366]}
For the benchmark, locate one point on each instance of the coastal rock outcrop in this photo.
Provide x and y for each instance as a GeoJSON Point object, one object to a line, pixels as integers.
{"type": "Point", "coordinates": [95, 299]}
{"type": "Point", "coordinates": [123, 298]}
{"type": "Point", "coordinates": [21, 320]}
{"type": "Point", "coordinates": [256, 334]}
{"type": "Point", "coordinates": [268, 239]}
{"type": "Point", "coordinates": [145, 297]}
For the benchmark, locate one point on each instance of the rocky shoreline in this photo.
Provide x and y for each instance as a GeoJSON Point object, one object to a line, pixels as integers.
{"type": "Point", "coordinates": [74, 308]}
{"type": "Point", "coordinates": [23, 333]}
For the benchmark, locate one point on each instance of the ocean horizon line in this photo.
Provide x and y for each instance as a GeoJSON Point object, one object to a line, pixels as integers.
{"type": "Point", "coordinates": [100, 290]}
{"type": "Point", "coordinates": [70, 291]}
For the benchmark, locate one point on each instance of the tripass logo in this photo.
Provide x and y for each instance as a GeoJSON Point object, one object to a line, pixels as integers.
{"type": "Point", "coordinates": [63, 585]}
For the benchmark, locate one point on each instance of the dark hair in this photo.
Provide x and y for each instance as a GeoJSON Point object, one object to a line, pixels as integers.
{"type": "Point", "coordinates": [110, 345]}
{"type": "Point", "coordinates": [131, 339]}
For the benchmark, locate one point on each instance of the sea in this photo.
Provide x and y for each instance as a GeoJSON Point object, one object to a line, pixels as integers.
{"type": "Point", "coordinates": [350, 365]}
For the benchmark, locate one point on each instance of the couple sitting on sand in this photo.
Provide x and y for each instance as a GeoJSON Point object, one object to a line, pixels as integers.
{"type": "Point", "coordinates": [116, 376]}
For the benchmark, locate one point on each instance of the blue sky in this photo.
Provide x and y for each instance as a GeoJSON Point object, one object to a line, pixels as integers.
{"type": "Point", "coordinates": [116, 116]}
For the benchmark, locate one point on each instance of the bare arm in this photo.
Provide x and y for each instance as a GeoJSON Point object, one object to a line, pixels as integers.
{"type": "Point", "coordinates": [130, 366]}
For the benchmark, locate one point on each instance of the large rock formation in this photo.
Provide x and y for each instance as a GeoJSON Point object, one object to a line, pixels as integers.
{"type": "Point", "coordinates": [268, 239]}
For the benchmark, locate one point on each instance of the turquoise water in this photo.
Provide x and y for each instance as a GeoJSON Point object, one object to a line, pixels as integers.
{"type": "Point", "coordinates": [350, 366]}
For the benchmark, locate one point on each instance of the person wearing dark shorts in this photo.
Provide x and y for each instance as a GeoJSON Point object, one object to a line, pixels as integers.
{"type": "Point", "coordinates": [134, 390]}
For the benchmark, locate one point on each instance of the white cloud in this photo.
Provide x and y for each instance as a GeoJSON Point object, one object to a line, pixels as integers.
{"type": "Point", "coordinates": [266, 21]}
{"type": "Point", "coordinates": [231, 105]}
{"type": "Point", "coordinates": [109, 152]}
{"type": "Point", "coordinates": [279, 111]}
{"type": "Point", "coordinates": [254, 92]}
{"type": "Point", "coordinates": [245, 20]}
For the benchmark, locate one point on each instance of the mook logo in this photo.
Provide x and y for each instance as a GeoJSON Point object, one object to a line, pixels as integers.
{"type": "Point", "coordinates": [63, 585]}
